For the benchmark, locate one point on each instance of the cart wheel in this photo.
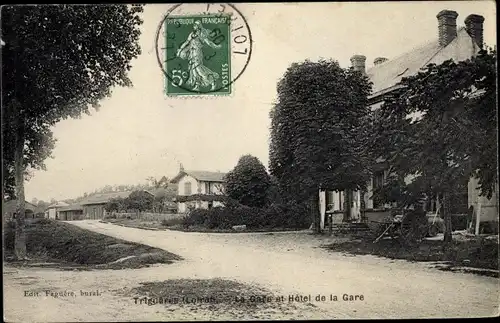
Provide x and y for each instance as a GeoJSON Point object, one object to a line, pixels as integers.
{"type": "Point", "coordinates": [408, 234]}
{"type": "Point", "coordinates": [433, 230]}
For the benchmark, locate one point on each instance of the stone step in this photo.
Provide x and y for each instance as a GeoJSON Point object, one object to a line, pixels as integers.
{"type": "Point", "coordinates": [351, 227]}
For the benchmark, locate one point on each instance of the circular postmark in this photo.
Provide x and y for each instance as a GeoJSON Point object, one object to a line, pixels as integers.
{"type": "Point", "coordinates": [202, 48]}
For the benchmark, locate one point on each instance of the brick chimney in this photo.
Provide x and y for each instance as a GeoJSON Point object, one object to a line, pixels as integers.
{"type": "Point", "coordinates": [380, 60]}
{"type": "Point", "coordinates": [358, 63]}
{"type": "Point", "coordinates": [447, 26]}
{"type": "Point", "coordinates": [474, 26]}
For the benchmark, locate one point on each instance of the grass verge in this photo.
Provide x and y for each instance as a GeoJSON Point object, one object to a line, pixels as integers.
{"type": "Point", "coordinates": [49, 241]}
{"type": "Point", "coordinates": [137, 223]}
{"type": "Point", "coordinates": [473, 253]}
{"type": "Point", "coordinates": [175, 224]}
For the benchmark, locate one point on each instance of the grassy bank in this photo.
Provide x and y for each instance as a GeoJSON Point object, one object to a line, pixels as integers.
{"type": "Point", "coordinates": [70, 246]}
{"type": "Point", "coordinates": [476, 253]}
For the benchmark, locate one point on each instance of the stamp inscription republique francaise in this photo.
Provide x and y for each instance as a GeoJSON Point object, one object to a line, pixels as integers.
{"type": "Point", "coordinates": [206, 49]}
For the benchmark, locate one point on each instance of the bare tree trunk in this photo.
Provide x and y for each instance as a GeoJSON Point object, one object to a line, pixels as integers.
{"type": "Point", "coordinates": [20, 234]}
{"type": "Point", "coordinates": [447, 219]}
{"type": "Point", "coordinates": [315, 212]}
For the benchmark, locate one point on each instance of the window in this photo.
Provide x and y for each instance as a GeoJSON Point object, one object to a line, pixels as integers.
{"type": "Point", "coordinates": [187, 188]}
{"type": "Point", "coordinates": [207, 188]}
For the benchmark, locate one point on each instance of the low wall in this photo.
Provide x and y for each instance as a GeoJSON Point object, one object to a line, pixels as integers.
{"type": "Point", "coordinates": [147, 216]}
{"type": "Point", "coordinates": [337, 216]}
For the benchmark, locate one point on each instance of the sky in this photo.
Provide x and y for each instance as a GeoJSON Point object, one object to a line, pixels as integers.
{"type": "Point", "coordinates": [139, 132]}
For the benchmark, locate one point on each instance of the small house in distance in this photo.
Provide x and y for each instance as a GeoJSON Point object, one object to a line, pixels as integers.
{"type": "Point", "coordinates": [9, 207]}
{"type": "Point", "coordinates": [71, 212]}
{"type": "Point", "coordinates": [199, 189]}
{"type": "Point", "coordinates": [93, 206]}
{"type": "Point", "coordinates": [52, 211]}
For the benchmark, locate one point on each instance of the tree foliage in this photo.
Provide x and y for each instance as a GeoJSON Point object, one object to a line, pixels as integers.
{"type": "Point", "coordinates": [139, 201]}
{"type": "Point", "coordinates": [163, 182]}
{"type": "Point", "coordinates": [115, 205]}
{"type": "Point", "coordinates": [440, 126]}
{"type": "Point", "coordinates": [58, 62]}
{"type": "Point", "coordinates": [454, 137]}
{"type": "Point", "coordinates": [318, 130]}
{"type": "Point", "coordinates": [248, 183]}
{"type": "Point", "coordinates": [39, 146]}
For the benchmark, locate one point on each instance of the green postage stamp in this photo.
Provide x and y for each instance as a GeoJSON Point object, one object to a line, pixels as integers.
{"type": "Point", "coordinates": [198, 54]}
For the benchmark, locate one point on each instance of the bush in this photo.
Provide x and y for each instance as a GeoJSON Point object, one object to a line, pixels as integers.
{"type": "Point", "coordinates": [220, 218]}
{"type": "Point", "coordinates": [110, 216]}
{"type": "Point", "coordinates": [290, 215]}
{"type": "Point", "coordinates": [196, 217]}
{"type": "Point", "coordinates": [172, 222]}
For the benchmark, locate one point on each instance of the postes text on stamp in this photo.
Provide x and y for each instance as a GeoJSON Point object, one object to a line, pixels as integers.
{"type": "Point", "coordinates": [205, 49]}
{"type": "Point", "coordinates": [197, 54]}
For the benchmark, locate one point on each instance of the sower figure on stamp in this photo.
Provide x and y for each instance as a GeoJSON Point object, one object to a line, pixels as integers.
{"type": "Point", "coordinates": [192, 51]}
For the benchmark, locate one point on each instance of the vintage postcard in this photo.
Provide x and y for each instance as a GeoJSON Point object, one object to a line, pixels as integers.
{"type": "Point", "coordinates": [249, 161]}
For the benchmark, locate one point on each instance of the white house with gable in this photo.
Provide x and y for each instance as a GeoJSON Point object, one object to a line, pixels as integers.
{"type": "Point", "coordinates": [199, 189]}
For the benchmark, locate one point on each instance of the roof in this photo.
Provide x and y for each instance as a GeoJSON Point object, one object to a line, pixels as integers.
{"type": "Point", "coordinates": [387, 75]}
{"type": "Point", "coordinates": [57, 205]}
{"type": "Point", "coordinates": [104, 197]}
{"type": "Point", "coordinates": [72, 207]}
{"type": "Point", "coordinates": [201, 176]}
{"type": "Point", "coordinates": [162, 191]}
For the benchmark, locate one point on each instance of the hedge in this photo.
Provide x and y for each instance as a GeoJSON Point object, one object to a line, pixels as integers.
{"type": "Point", "coordinates": [291, 216]}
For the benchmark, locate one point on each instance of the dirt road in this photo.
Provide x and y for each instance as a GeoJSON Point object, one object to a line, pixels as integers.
{"type": "Point", "coordinates": [286, 263]}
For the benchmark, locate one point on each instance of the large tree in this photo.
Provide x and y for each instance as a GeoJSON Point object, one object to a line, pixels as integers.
{"type": "Point", "coordinates": [248, 183]}
{"type": "Point", "coordinates": [58, 62]}
{"type": "Point", "coordinates": [318, 131]}
{"type": "Point", "coordinates": [440, 130]}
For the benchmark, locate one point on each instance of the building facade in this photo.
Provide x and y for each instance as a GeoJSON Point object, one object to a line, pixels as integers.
{"type": "Point", "coordinates": [94, 207]}
{"type": "Point", "coordinates": [71, 212]}
{"type": "Point", "coordinates": [454, 43]}
{"type": "Point", "coordinates": [52, 211]}
{"type": "Point", "coordinates": [9, 208]}
{"type": "Point", "coordinates": [199, 189]}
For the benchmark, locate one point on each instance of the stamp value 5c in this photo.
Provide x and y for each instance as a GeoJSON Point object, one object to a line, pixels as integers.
{"type": "Point", "coordinates": [206, 48]}
{"type": "Point", "coordinates": [197, 55]}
